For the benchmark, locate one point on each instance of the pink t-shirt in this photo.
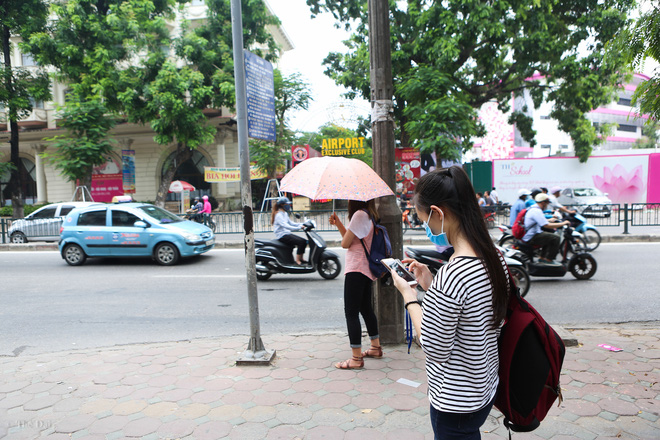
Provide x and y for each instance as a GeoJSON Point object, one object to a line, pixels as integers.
{"type": "Point", "coordinates": [356, 259]}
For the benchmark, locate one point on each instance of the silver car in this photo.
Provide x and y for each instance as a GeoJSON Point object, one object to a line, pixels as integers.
{"type": "Point", "coordinates": [43, 224]}
{"type": "Point", "coordinates": [590, 202]}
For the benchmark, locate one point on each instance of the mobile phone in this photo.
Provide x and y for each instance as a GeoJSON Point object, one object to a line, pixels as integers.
{"type": "Point", "coordinates": [400, 269]}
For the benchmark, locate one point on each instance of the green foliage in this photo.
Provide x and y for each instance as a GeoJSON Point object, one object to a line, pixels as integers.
{"type": "Point", "coordinates": [650, 135]}
{"type": "Point", "coordinates": [637, 43]}
{"type": "Point", "coordinates": [468, 53]}
{"type": "Point", "coordinates": [6, 211]}
{"type": "Point", "coordinates": [291, 93]}
{"type": "Point", "coordinates": [86, 143]}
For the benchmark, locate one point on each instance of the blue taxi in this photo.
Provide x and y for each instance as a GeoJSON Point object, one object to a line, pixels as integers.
{"type": "Point", "coordinates": [131, 230]}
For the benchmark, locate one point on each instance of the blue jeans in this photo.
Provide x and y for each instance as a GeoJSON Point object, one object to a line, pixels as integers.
{"type": "Point", "coordinates": [463, 426]}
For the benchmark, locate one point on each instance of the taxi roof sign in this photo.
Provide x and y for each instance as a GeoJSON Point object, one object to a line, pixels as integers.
{"type": "Point", "coordinates": [122, 199]}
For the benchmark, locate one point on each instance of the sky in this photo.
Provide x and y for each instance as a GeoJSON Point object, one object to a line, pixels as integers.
{"type": "Point", "coordinates": [313, 39]}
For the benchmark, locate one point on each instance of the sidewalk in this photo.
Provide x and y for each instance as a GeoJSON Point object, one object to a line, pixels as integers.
{"type": "Point", "coordinates": [193, 390]}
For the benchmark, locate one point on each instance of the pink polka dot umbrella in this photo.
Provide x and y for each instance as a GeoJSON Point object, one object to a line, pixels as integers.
{"type": "Point", "coordinates": [332, 177]}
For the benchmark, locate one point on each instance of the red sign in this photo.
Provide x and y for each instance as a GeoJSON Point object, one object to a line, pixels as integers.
{"type": "Point", "coordinates": [302, 152]}
{"type": "Point", "coordinates": [107, 182]}
{"type": "Point", "coordinates": [407, 168]}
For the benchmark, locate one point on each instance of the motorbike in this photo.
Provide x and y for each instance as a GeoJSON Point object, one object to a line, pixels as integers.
{"type": "Point", "coordinates": [588, 231]}
{"type": "Point", "coordinates": [435, 260]}
{"type": "Point", "coordinates": [273, 257]}
{"type": "Point", "coordinates": [578, 241]}
{"type": "Point", "coordinates": [204, 219]}
{"type": "Point", "coordinates": [582, 265]}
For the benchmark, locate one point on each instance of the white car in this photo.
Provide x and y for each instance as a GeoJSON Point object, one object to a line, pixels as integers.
{"type": "Point", "coordinates": [43, 224]}
{"type": "Point", "coordinates": [590, 202]}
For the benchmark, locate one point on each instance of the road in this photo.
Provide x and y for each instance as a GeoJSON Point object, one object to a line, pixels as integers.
{"type": "Point", "coordinates": [49, 306]}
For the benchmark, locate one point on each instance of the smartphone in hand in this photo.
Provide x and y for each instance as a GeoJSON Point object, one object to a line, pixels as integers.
{"type": "Point", "coordinates": [398, 267]}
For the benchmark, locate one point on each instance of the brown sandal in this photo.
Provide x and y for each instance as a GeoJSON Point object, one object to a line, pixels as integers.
{"type": "Point", "coordinates": [370, 352]}
{"type": "Point", "coordinates": [346, 365]}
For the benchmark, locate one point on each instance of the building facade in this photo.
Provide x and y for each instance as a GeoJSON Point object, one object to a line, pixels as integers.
{"type": "Point", "coordinates": [43, 183]}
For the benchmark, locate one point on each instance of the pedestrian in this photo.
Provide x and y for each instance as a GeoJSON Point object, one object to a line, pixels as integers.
{"type": "Point", "coordinates": [518, 205]}
{"type": "Point", "coordinates": [283, 226]}
{"type": "Point", "coordinates": [464, 305]}
{"type": "Point", "coordinates": [495, 196]}
{"type": "Point", "coordinates": [358, 280]}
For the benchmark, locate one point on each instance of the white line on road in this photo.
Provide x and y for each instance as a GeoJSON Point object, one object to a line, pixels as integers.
{"type": "Point", "coordinates": [198, 276]}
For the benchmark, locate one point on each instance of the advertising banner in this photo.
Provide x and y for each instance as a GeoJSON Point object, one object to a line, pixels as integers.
{"type": "Point", "coordinates": [342, 146]}
{"type": "Point", "coordinates": [407, 167]}
{"type": "Point", "coordinates": [212, 174]}
{"type": "Point", "coordinates": [106, 182]}
{"type": "Point", "coordinates": [128, 171]}
{"type": "Point", "coordinates": [623, 178]}
{"type": "Point", "coordinates": [302, 152]}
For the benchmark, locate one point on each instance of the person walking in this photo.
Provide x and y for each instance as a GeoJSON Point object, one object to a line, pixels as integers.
{"type": "Point", "coordinates": [283, 226]}
{"type": "Point", "coordinates": [464, 306]}
{"type": "Point", "coordinates": [357, 281]}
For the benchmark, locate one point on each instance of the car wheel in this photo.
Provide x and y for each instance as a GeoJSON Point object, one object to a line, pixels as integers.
{"type": "Point", "coordinates": [18, 237]}
{"type": "Point", "coordinates": [329, 268]}
{"type": "Point", "coordinates": [74, 255]}
{"type": "Point", "coordinates": [166, 254]}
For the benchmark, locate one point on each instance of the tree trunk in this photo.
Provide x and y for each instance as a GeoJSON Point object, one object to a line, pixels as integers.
{"type": "Point", "coordinates": [15, 181]}
{"type": "Point", "coordinates": [183, 153]}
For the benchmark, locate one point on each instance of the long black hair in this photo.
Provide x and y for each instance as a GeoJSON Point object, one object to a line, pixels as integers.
{"type": "Point", "coordinates": [450, 189]}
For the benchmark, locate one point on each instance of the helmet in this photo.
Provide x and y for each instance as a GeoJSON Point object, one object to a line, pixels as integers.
{"type": "Point", "coordinates": [283, 201]}
{"type": "Point", "coordinates": [524, 192]}
{"type": "Point", "coordinates": [555, 189]}
{"type": "Point", "coordinates": [197, 199]}
{"type": "Point", "coordinates": [541, 197]}
{"type": "Point", "coordinates": [205, 197]}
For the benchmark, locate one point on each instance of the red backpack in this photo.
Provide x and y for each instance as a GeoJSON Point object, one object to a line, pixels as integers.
{"type": "Point", "coordinates": [518, 227]}
{"type": "Point", "coordinates": [531, 355]}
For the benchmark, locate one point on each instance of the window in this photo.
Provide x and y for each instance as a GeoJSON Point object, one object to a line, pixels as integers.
{"type": "Point", "coordinates": [27, 59]}
{"type": "Point", "coordinates": [64, 210]}
{"type": "Point", "coordinates": [92, 218]}
{"type": "Point", "coordinates": [546, 146]}
{"type": "Point", "coordinates": [123, 218]}
{"type": "Point", "coordinates": [36, 104]}
{"type": "Point", "coordinates": [625, 101]}
{"type": "Point", "coordinates": [629, 128]}
{"type": "Point", "coordinates": [545, 117]}
{"type": "Point", "coordinates": [563, 147]}
{"type": "Point", "coordinates": [45, 213]}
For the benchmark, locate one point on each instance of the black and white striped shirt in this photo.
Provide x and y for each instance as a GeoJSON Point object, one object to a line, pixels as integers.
{"type": "Point", "coordinates": [460, 343]}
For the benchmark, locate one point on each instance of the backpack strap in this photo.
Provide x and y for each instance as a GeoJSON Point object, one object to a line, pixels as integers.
{"type": "Point", "coordinates": [362, 241]}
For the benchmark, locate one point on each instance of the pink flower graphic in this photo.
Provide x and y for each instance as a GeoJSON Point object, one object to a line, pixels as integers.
{"type": "Point", "coordinates": [622, 186]}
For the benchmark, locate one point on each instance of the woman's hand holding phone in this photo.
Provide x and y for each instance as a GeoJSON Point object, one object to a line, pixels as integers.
{"type": "Point", "coordinates": [421, 271]}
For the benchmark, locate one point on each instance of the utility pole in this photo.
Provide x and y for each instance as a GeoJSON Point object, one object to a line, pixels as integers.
{"type": "Point", "coordinates": [256, 353]}
{"type": "Point", "coordinates": [388, 302]}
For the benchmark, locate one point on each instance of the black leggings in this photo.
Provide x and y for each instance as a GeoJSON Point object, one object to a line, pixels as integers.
{"type": "Point", "coordinates": [357, 301]}
{"type": "Point", "coordinates": [293, 241]}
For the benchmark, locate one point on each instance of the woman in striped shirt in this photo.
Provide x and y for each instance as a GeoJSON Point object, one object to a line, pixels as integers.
{"type": "Point", "coordinates": [464, 305]}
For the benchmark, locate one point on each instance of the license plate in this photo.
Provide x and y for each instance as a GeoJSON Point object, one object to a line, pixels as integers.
{"type": "Point", "coordinates": [210, 242]}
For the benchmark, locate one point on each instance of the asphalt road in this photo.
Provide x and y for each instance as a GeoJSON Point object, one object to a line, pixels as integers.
{"type": "Point", "coordinates": [49, 306]}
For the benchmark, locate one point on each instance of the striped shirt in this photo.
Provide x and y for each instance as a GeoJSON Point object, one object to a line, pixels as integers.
{"type": "Point", "coordinates": [462, 359]}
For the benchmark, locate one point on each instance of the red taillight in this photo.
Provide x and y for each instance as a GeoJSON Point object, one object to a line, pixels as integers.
{"type": "Point", "coordinates": [61, 229]}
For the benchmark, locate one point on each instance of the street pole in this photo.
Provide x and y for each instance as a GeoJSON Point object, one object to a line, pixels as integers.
{"type": "Point", "coordinates": [388, 303]}
{"type": "Point", "coordinates": [256, 353]}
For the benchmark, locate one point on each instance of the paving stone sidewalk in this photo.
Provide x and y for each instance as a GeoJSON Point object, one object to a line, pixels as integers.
{"type": "Point", "coordinates": [194, 390]}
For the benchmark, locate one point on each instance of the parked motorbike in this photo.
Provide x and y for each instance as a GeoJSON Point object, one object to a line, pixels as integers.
{"type": "Point", "coordinates": [273, 257]}
{"type": "Point", "coordinates": [435, 260]}
{"type": "Point", "coordinates": [204, 219]}
{"type": "Point", "coordinates": [582, 265]}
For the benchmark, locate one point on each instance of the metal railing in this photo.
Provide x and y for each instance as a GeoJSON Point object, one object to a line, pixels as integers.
{"type": "Point", "coordinates": [232, 222]}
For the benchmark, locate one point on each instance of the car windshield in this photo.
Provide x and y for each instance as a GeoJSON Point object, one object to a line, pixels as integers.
{"type": "Point", "coordinates": [159, 214]}
{"type": "Point", "coordinates": [587, 192]}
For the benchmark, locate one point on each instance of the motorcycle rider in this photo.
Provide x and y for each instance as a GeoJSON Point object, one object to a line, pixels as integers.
{"type": "Point", "coordinates": [554, 203]}
{"type": "Point", "coordinates": [518, 205]}
{"type": "Point", "coordinates": [195, 211]}
{"type": "Point", "coordinates": [534, 222]}
{"type": "Point", "coordinates": [283, 226]}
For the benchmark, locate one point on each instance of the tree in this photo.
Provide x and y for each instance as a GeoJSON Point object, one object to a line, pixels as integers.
{"type": "Point", "coordinates": [650, 135]}
{"type": "Point", "coordinates": [19, 18]}
{"type": "Point", "coordinates": [637, 43]}
{"type": "Point", "coordinates": [86, 144]}
{"type": "Point", "coordinates": [291, 93]}
{"type": "Point", "coordinates": [449, 58]}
